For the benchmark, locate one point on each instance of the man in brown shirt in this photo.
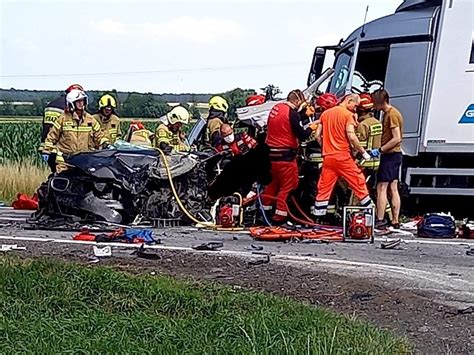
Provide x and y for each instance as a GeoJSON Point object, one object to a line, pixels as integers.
{"type": "Point", "coordinates": [390, 158]}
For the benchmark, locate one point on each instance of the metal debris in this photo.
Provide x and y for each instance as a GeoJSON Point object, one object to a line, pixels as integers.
{"type": "Point", "coordinates": [213, 246]}
{"type": "Point", "coordinates": [391, 244]}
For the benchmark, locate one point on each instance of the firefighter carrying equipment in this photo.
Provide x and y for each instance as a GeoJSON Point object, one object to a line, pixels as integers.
{"type": "Point", "coordinates": [279, 234]}
{"type": "Point", "coordinates": [218, 103]}
{"type": "Point", "coordinates": [73, 96]}
{"type": "Point", "coordinates": [73, 134]}
{"type": "Point", "coordinates": [107, 101]}
{"type": "Point", "coordinates": [164, 136]}
{"type": "Point", "coordinates": [110, 126]}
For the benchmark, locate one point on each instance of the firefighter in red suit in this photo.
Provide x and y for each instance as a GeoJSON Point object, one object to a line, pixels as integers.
{"type": "Point", "coordinates": [284, 134]}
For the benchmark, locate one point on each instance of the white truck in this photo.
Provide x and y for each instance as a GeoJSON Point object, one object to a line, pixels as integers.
{"type": "Point", "coordinates": [423, 55]}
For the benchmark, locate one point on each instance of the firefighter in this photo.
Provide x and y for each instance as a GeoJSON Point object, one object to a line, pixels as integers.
{"type": "Point", "coordinates": [74, 131]}
{"type": "Point", "coordinates": [369, 133]}
{"type": "Point", "coordinates": [284, 134]}
{"type": "Point", "coordinates": [51, 113]}
{"type": "Point", "coordinates": [337, 134]}
{"type": "Point", "coordinates": [313, 159]}
{"type": "Point", "coordinates": [108, 120]}
{"type": "Point", "coordinates": [236, 144]}
{"type": "Point", "coordinates": [218, 108]}
{"type": "Point", "coordinates": [169, 135]}
{"type": "Point", "coordinates": [137, 134]}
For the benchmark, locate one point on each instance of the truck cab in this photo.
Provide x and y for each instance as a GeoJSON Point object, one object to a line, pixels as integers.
{"type": "Point", "coordinates": [423, 55]}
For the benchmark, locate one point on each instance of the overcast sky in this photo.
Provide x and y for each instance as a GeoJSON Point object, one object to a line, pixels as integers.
{"type": "Point", "coordinates": [171, 46]}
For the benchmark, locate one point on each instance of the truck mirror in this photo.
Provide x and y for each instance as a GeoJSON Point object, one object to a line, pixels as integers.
{"type": "Point", "coordinates": [316, 64]}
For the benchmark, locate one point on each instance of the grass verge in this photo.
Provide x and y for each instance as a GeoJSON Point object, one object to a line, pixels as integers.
{"type": "Point", "coordinates": [23, 177]}
{"type": "Point", "coordinates": [52, 307]}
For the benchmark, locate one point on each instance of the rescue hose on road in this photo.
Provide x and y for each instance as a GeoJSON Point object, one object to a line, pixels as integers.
{"type": "Point", "coordinates": [188, 214]}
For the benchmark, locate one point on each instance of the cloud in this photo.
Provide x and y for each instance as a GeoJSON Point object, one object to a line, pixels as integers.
{"type": "Point", "coordinates": [110, 26]}
{"type": "Point", "coordinates": [206, 30]}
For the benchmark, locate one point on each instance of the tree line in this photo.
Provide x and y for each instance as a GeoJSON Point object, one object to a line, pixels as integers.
{"type": "Point", "coordinates": [134, 104]}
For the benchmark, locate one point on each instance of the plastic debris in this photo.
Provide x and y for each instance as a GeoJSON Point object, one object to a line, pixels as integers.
{"type": "Point", "coordinates": [102, 252]}
{"type": "Point", "coordinates": [9, 247]}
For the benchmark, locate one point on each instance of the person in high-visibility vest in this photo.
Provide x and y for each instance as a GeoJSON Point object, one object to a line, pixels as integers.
{"type": "Point", "coordinates": [73, 132]}
{"type": "Point", "coordinates": [52, 112]}
{"type": "Point", "coordinates": [337, 135]}
{"type": "Point", "coordinates": [218, 107]}
{"type": "Point", "coordinates": [169, 136]}
{"type": "Point", "coordinates": [284, 134]}
{"type": "Point", "coordinates": [137, 134]}
{"type": "Point", "coordinates": [108, 120]}
{"type": "Point", "coordinates": [369, 133]}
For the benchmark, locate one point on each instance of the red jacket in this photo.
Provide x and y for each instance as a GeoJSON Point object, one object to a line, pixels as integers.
{"type": "Point", "coordinates": [241, 144]}
{"type": "Point", "coordinates": [284, 129]}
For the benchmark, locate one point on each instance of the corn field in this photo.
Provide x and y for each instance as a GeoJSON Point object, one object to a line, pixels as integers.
{"type": "Point", "coordinates": [20, 139]}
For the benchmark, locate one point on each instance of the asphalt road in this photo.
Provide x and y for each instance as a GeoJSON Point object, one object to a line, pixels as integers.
{"type": "Point", "coordinates": [440, 267]}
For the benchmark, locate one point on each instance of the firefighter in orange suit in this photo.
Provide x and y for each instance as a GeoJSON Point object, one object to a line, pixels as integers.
{"type": "Point", "coordinates": [284, 134]}
{"type": "Point", "coordinates": [337, 136]}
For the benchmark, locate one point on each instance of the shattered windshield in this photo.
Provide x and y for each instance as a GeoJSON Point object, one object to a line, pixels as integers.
{"type": "Point", "coordinates": [342, 73]}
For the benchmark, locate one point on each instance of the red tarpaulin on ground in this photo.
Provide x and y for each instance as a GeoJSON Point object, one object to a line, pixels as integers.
{"type": "Point", "coordinates": [282, 234]}
{"type": "Point", "coordinates": [24, 202]}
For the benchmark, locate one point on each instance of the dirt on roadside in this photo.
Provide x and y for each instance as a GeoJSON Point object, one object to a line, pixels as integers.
{"type": "Point", "coordinates": [430, 327]}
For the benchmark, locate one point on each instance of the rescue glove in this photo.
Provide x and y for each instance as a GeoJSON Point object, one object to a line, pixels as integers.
{"type": "Point", "coordinates": [45, 157]}
{"type": "Point", "coordinates": [375, 153]}
{"type": "Point", "coordinates": [366, 156]}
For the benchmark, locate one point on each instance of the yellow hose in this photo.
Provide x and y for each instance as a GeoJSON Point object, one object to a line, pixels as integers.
{"type": "Point", "coordinates": [205, 224]}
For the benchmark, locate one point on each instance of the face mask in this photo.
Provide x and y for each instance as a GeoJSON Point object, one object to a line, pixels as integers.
{"type": "Point", "coordinates": [229, 138]}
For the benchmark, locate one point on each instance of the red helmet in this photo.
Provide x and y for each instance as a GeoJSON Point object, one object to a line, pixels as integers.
{"type": "Point", "coordinates": [74, 87]}
{"type": "Point", "coordinates": [366, 102]}
{"type": "Point", "coordinates": [255, 100]}
{"type": "Point", "coordinates": [326, 101]}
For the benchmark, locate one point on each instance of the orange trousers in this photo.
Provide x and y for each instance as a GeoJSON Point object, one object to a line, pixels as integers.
{"type": "Point", "coordinates": [284, 180]}
{"type": "Point", "coordinates": [334, 167]}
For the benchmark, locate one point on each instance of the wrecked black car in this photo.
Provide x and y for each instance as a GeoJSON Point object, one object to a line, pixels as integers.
{"type": "Point", "coordinates": [119, 185]}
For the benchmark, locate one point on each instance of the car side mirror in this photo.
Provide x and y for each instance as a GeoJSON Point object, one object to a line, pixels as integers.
{"type": "Point", "coordinates": [317, 65]}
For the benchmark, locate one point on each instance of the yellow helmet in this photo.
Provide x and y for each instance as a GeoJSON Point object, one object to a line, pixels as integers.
{"type": "Point", "coordinates": [178, 115]}
{"type": "Point", "coordinates": [218, 103]}
{"type": "Point", "coordinates": [107, 100]}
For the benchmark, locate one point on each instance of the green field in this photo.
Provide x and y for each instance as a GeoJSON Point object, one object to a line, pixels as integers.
{"type": "Point", "coordinates": [51, 307]}
{"type": "Point", "coordinates": [20, 137]}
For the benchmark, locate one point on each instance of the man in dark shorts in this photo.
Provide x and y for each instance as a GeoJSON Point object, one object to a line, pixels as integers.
{"type": "Point", "coordinates": [390, 159]}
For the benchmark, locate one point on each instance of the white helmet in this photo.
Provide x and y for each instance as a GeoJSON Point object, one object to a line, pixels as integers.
{"type": "Point", "coordinates": [73, 96]}
{"type": "Point", "coordinates": [178, 114]}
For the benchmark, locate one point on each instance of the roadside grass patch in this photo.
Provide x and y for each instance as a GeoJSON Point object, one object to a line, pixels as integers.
{"type": "Point", "coordinates": [55, 307]}
{"type": "Point", "coordinates": [24, 177]}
